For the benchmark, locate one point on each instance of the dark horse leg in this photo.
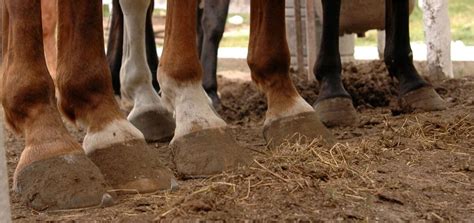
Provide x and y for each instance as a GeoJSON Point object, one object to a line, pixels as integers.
{"type": "Point", "coordinates": [115, 46]}
{"type": "Point", "coordinates": [415, 93]}
{"type": "Point", "coordinates": [334, 104]}
{"type": "Point", "coordinates": [212, 18]}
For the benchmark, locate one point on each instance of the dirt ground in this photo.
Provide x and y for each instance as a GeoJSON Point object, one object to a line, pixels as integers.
{"type": "Point", "coordinates": [389, 167]}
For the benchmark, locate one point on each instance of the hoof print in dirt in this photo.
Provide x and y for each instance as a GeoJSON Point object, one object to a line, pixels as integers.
{"type": "Point", "coordinates": [133, 167]}
{"type": "Point", "coordinates": [422, 100]}
{"type": "Point", "coordinates": [65, 182]}
{"type": "Point", "coordinates": [336, 112]}
{"type": "Point", "coordinates": [208, 152]}
{"type": "Point", "coordinates": [307, 125]}
{"type": "Point", "coordinates": [157, 125]}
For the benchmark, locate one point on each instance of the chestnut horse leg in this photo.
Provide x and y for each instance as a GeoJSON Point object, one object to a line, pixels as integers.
{"type": "Point", "coordinates": [415, 93]}
{"type": "Point", "coordinates": [53, 172]}
{"type": "Point", "coordinates": [148, 115]}
{"type": "Point", "coordinates": [269, 61]}
{"type": "Point", "coordinates": [49, 15]}
{"type": "Point", "coordinates": [334, 104]}
{"type": "Point", "coordinates": [201, 144]}
{"type": "Point", "coordinates": [86, 97]}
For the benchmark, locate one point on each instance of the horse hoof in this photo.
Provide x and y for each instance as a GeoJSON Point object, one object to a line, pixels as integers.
{"type": "Point", "coordinates": [306, 124]}
{"type": "Point", "coordinates": [207, 152]}
{"type": "Point", "coordinates": [63, 182]}
{"type": "Point", "coordinates": [336, 112]}
{"type": "Point", "coordinates": [157, 125]}
{"type": "Point", "coordinates": [132, 167]}
{"type": "Point", "coordinates": [422, 100]}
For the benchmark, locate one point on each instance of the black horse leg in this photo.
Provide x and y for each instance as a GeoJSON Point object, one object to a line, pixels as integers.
{"type": "Point", "coordinates": [212, 23]}
{"type": "Point", "coordinates": [115, 45]}
{"type": "Point", "coordinates": [334, 104]}
{"type": "Point", "coordinates": [398, 54]}
{"type": "Point", "coordinates": [415, 93]}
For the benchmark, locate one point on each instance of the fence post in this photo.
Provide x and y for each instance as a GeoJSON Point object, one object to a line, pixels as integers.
{"type": "Point", "coordinates": [299, 38]}
{"type": "Point", "coordinates": [438, 38]}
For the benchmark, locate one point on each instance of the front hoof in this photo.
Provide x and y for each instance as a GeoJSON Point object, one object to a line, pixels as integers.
{"type": "Point", "coordinates": [306, 124]}
{"type": "Point", "coordinates": [423, 99]}
{"type": "Point", "coordinates": [336, 112]}
{"type": "Point", "coordinates": [132, 167]}
{"type": "Point", "coordinates": [207, 152]}
{"type": "Point", "coordinates": [64, 182]}
{"type": "Point", "coordinates": [157, 125]}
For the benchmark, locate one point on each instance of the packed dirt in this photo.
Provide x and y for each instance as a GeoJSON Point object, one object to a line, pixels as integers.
{"type": "Point", "coordinates": [389, 167]}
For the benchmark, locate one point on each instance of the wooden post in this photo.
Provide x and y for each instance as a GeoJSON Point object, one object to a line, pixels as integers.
{"type": "Point", "coordinates": [311, 36]}
{"type": "Point", "coordinates": [438, 38]}
{"type": "Point", "coordinates": [299, 38]}
{"type": "Point", "coordinates": [381, 43]}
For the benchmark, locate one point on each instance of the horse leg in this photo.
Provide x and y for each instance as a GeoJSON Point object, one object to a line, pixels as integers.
{"type": "Point", "coordinates": [115, 46]}
{"type": "Point", "coordinates": [213, 23]}
{"type": "Point", "coordinates": [86, 97]}
{"type": "Point", "coordinates": [415, 93]}
{"type": "Point", "coordinates": [53, 172]}
{"type": "Point", "coordinates": [202, 144]}
{"type": "Point", "coordinates": [334, 105]}
{"type": "Point", "coordinates": [148, 114]}
{"type": "Point", "coordinates": [49, 16]}
{"type": "Point", "coordinates": [269, 61]}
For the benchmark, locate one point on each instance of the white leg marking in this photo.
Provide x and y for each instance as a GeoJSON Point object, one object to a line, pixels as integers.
{"type": "Point", "coordinates": [190, 103]}
{"type": "Point", "coordinates": [295, 106]}
{"type": "Point", "coordinates": [118, 131]}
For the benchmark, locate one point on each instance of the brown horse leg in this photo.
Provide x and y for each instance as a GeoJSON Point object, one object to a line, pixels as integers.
{"type": "Point", "coordinates": [269, 60]}
{"type": "Point", "coordinates": [86, 98]}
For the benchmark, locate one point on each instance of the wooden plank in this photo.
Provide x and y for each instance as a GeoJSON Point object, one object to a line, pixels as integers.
{"type": "Point", "coordinates": [311, 38]}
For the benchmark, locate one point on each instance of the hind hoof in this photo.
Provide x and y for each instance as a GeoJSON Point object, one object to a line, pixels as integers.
{"type": "Point", "coordinates": [132, 167]}
{"type": "Point", "coordinates": [422, 100]}
{"type": "Point", "coordinates": [157, 125]}
{"type": "Point", "coordinates": [336, 112]}
{"type": "Point", "coordinates": [305, 124]}
{"type": "Point", "coordinates": [207, 152]}
{"type": "Point", "coordinates": [64, 182]}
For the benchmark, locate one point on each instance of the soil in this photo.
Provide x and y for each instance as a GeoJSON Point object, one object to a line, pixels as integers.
{"type": "Point", "coordinates": [390, 167]}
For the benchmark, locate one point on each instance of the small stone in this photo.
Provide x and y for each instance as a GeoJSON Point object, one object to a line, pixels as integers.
{"type": "Point", "coordinates": [470, 101]}
{"type": "Point", "coordinates": [107, 200]}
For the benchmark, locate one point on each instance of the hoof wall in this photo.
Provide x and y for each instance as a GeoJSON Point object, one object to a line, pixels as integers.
{"type": "Point", "coordinates": [155, 124]}
{"type": "Point", "coordinates": [305, 124]}
{"type": "Point", "coordinates": [208, 152]}
{"type": "Point", "coordinates": [132, 167]}
{"type": "Point", "coordinates": [422, 100]}
{"type": "Point", "coordinates": [65, 182]}
{"type": "Point", "coordinates": [336, 112]}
